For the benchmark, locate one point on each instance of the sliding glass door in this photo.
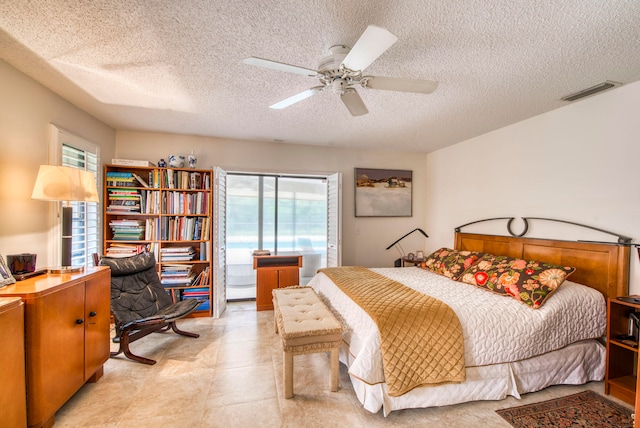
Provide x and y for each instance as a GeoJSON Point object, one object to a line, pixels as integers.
{"type": "Point", "coordinates": [275, 213]}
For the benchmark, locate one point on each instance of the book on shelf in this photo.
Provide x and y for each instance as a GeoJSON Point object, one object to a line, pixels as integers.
{"type": "Point", "coordinates": [121, 200]}
{"type": "Point", "coordinates": [204, 306]}
{"type": "Point", "coordinates": [124, 250]}
{"type": "Point", "coordinates": [176, 254]}
{"type": "Point", "coordinates": [202, 278]}
{"type": "Point", "coordinates": [140, 179]}
{"type": "Point", "coordinates": [176, 274]}
{"type": "Point", "coordinates": [127, 230]}
{"type": "Point", "coordinates": [132, 162]}
{"type": "Point", "coordinates": [120, 179]}
{"type": "Point", "coordinates": [195, 180]}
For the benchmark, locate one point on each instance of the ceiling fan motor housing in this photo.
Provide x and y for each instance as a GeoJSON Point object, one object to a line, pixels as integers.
{"type": "Point", "coordinates": [331, 63]}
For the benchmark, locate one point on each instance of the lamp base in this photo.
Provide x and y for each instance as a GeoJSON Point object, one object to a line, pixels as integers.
{"type": "Point", "coordinates": [65, 269]}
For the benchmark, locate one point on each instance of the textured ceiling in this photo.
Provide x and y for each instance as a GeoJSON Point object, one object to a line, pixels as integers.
{"type": "Point", "coordinates": [176, 67]}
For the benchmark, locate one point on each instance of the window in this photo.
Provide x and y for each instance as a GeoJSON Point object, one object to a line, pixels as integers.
{"type": "Point", "coordinates": [70, 150]}
{"type": "Point", "coordinates": [277, 213]}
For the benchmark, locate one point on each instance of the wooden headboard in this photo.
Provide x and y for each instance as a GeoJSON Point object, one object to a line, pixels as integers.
{"type": "Point", "coordinates": [604, 267]}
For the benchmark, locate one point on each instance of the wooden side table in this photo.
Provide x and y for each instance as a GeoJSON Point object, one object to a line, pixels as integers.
{"type": "Point", "coordinates": [410, 262]}
{"type": "Point", "coordinates": [622, 352]}
{"type": "Point", "coordinates": [13, 395]}
{"type": "Point", "coordinates": [66, 324]}
{"type": "Point", "coordinates": [275, 271]}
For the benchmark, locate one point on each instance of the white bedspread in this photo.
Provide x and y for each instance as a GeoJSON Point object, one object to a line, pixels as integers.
{"type": "Point", "coordinates": [496, 329]}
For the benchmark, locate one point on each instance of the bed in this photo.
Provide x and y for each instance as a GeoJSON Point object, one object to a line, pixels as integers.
{"type": "Point", "coordinates": [558, 343]}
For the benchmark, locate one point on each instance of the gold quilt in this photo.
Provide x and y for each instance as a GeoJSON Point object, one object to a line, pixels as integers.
{"type": "Point", "coordinates": [421, 337]}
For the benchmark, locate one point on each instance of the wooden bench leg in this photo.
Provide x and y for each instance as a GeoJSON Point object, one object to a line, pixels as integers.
{"type": "Point", "coordinates": [288, 375]}
{"type": "Point", "coordinates": [335, 369]}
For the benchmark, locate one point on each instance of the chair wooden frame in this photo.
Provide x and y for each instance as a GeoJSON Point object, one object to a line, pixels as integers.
{"type": "Point", "coordinates": [162, 319]}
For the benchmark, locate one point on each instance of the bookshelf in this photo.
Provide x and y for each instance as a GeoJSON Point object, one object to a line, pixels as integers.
{"type": "Point", "coordinates": [167, 211]}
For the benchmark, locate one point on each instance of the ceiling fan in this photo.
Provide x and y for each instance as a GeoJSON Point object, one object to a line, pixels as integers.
{"type": "Point", "coordinates": [342, 71]}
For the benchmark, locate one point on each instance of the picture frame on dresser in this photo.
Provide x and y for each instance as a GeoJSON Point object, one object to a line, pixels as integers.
{"type": "Point", "coordinates": [5, 274]}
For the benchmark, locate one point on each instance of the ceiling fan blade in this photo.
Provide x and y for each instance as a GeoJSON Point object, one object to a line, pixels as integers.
{"type": "Point", "coordinates": [371, 44]}
{"type": "Point", "coordinates": [400, 85]}
{"type": "Point", "coordinates": [354, 103]}
{"type": "Point", "coordinates": [279, 66]}
{"type": "Point", "coordinates": [297, 97]}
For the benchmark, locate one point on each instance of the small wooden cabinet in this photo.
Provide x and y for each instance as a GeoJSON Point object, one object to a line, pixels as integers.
{"type": "Point", "coordinates": [275, 271]}
{"type": "Point", "coordinates": [66, 323]}
{"type": "Point", "coordinates": [622, 354]}
{"type": "Point", "coordinates": [13, 411]}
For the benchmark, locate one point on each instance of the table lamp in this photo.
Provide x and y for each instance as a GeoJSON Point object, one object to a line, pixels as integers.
{"type": "Point", "coordinates": [66, 184]}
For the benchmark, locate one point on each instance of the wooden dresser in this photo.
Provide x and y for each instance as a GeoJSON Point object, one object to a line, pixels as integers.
{"type": "Point", "coordinates": [66, 321]}
{"type": "Point", "coordinates": [13, 410]}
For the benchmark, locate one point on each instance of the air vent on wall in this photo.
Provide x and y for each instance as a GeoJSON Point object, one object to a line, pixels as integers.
{"type": "Point", "coordinates": [608, 84]}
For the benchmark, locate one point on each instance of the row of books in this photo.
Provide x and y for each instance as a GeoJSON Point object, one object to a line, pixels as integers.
{"type": "Point", "coordinates": [185, 203]}
{"type": "Point", "coordinates": [186, 180]}
{"type": "Point", "coordinates": [125, 250]}
{"type": "Point", "coordinates": [177, 254]}
{"type": "Point", "coordinates": [184, 228]}
{"type": "Point", "coordinates": [200, 294]}
{"type": "Point", "coordinates": [127, 230]}
{"type": "Point", "coordinates": [181, 275]}
{"type": "Point", "coordinates": [161, 228]}
{"type": "Point", "coordinates": [123, 201]}
{"type": "Point", "coordinates": [117, 249]}
{"type": "Point", "coordinates": [153, 202]}
{"type": "Point", "coordinates": [176, 274]}
{"type": "Point", "coordinates": [171, 179]}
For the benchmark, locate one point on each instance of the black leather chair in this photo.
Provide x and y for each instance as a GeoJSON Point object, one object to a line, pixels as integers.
{"type": "Point", "coordinates": [139, 303]}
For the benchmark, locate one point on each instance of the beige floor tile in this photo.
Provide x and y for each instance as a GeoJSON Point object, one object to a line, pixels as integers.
{"type": "Point", "coordinates": [263, 414]}
{"type": "Point", "coordinates": [242, 385]}
{"type": "Point", "coordinates": [231, 376]}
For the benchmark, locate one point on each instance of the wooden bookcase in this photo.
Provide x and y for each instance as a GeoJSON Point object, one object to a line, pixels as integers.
{"type": "Point", "coordinates": [167, 211]}
{"type": "Point", "coordinates": [622, 354]}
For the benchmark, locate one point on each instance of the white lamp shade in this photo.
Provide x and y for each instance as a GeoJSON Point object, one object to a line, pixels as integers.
{"type": "Point", "coordinates": [63, 183]}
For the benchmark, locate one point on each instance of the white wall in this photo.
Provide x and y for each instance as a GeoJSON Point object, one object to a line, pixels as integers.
{"type": "Point", "coordinates": [26, 110]}
{"type": "Point", "coordinates": [363, 239]}
{"type": "Point", "coordinates": [578, 163]}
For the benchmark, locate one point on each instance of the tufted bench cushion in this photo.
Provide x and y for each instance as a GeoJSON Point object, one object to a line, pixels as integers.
{"type": "Point", "coordinates": [306, 326]}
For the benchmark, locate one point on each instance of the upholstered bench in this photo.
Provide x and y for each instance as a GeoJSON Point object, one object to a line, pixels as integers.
{"type": "Point", "coordinates": [306, 326]}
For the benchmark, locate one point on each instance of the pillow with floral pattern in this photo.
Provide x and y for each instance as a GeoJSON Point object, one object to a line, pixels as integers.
{"type": "Point", "coordinates": [450, 263]}
{"type": "Point", "coordinates": [528, 281]}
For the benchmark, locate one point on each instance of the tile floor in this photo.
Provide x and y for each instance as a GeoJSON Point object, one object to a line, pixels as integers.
{"type": "Point", "coordinates": [232, 377]}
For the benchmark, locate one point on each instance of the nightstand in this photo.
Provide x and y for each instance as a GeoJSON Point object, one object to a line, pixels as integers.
{"type": "Point", "coordinates": [622, 353]}
{"type": "Point", "coordinates": [411, 262]}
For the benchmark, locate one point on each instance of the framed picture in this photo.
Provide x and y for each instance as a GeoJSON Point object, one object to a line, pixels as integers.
{"type": "Point", "coordinates": [383, 192]}
{"type": "Point", "coordinates": [5, 274]}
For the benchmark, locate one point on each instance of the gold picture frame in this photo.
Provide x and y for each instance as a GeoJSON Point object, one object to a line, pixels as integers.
{"type": "Point", "coordinates": [383, 192]}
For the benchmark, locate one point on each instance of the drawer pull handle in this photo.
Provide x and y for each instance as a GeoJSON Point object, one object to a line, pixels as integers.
{"type": "Point", "coordinates": [79, 321]}
{"type": "Point", "coordinates": [92, 314]}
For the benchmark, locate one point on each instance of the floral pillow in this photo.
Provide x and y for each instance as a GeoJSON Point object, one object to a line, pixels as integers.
{"type": "Point", "coordinates": [528, 281]}
{"type": "Point", "coordinates": [450, 263]}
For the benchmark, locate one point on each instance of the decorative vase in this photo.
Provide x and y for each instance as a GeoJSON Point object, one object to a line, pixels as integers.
{"type": "Point", "coordinates": [192, 160]}
{"type": "Point", "coordinates": [176, 161]}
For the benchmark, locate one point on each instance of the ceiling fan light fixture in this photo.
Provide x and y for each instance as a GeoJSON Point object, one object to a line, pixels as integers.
{"type": "Point", "coordinates": [339, 86]}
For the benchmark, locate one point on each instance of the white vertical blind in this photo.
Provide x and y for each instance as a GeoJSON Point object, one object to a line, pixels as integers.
{"type": "Point", "coordinates": [219, 242]}
{"type": "Point", "coordinates": [334, 218]}
{"type": "Point", "coordinates": [78, 153]}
